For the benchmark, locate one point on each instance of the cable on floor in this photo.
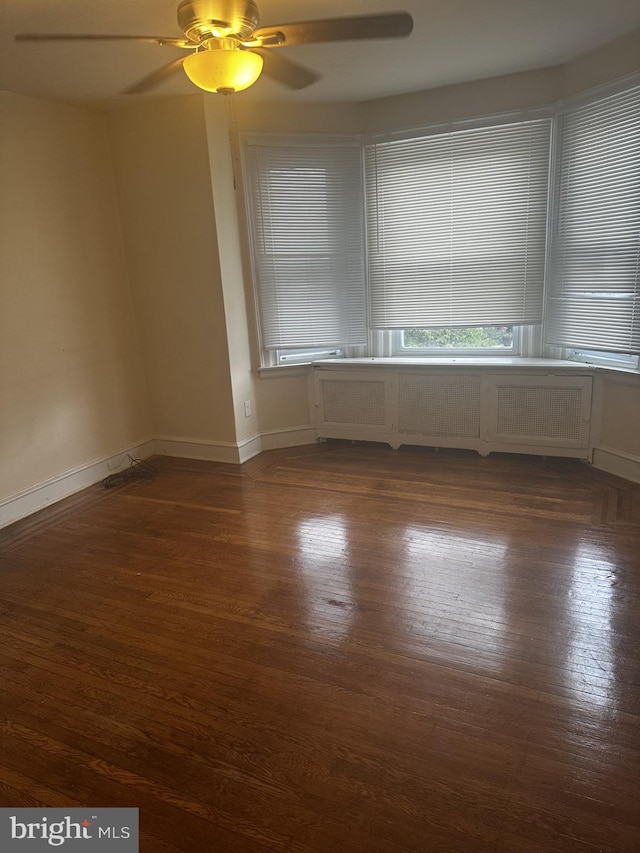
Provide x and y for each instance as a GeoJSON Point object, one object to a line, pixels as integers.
{"type": "Point", "coordinates": [139, 469]}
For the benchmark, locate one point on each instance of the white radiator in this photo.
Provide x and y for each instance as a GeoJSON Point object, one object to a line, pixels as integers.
{"type": "Point", "coordinates": [481, 409]}
{"type": "Point", "coordinates": [347, 401]}
{"type": "Point", "coordinates": [444, 406]}
{"type": "Point", "coordinates": [545, 411]}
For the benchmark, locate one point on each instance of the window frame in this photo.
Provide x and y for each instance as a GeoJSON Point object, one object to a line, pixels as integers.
{"type": "Point", "coordinates": [270, 355]}
{"type": "Point", "coordinates": [523, 139]}
{"type": "Point", "coordinates": [555, 334]}
{"type": "Point", "coordinates": [616, 360]}
{"type": "Point", "coordinates": [398, 348]}
{"type": "Point", "coordinates": [284, 358]}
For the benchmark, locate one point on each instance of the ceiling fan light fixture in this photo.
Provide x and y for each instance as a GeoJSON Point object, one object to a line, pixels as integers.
{"type": "Point", "coordinates": [223, 67]}
{"type": "Point", "coordinates": [201, 19]}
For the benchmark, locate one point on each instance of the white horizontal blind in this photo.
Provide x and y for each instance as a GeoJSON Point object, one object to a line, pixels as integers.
{"type": "Point", "coordinates": [306, 218]}
{"type": "Point", "coordinates": [457, 227]}
{"type": "Point", "coordinates": [594, 293]}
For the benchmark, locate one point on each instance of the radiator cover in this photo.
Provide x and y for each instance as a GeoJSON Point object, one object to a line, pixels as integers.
{"type": "Point", "coordinates": [481, 409]}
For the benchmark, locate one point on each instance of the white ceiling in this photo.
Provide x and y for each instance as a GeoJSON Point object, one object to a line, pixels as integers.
{"type": "Point", "coordinates": [452, 41]}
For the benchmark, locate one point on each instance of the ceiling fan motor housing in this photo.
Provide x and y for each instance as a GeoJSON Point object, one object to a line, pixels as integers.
{"type": "Point", "coordinates": [203, 19]}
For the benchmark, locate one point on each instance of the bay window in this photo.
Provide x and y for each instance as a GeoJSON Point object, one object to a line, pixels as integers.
{"type": "Point", "coordinates": [440, 241]}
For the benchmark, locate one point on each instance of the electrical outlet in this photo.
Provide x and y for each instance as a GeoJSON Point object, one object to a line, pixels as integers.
{"type": "Point", "coordinates": [247, 408]}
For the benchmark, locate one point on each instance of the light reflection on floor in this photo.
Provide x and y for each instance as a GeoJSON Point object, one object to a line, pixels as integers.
{"type": "Point", "coordinates": [453, 589]}
{"type": "Point", "coordinates": [464, 575]}
{"type": "Point", "coordinates": [325, 574]}
{"type": "Point", "coordinates": [590, 660]}
{"type": "Point", "coordinates": [447, 584]}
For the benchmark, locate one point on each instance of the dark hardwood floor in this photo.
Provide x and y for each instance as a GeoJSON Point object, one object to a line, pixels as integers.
{"type": "Point", "coordinates": [333, 648]}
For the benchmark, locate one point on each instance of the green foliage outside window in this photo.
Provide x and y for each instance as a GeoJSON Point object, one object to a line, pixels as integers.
{"type": "Point", "coordinates": [480, 337]}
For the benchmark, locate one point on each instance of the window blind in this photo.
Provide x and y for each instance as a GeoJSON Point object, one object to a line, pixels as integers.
{"type": "Point", "coordinates": [306, 218]}
{"type": "Point", "coordinates": [594, 292]}
{"type": "Point", "coordinates": [457, 227]}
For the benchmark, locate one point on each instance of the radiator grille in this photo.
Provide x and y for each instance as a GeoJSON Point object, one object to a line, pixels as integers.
{"type": "Point", "coordinates": [439, 406]}
{"type": "Point", "coordinates": [539, 412]}
{"type": "Point", "coordinates": [353, 402]}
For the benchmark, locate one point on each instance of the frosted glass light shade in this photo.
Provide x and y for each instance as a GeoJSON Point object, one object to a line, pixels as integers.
{"type": "Point", "coordinates": [223, 70]}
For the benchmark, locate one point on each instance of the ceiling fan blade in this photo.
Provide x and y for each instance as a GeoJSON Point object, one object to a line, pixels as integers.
{"type": "Point", "coordinates": [393, 25]}
{"type": "Point", "coordinates": [172, 42]}
{"type": "Point", "coordinates": [285, 71]}
{"type": "Point", "coordinates": [155, 78]}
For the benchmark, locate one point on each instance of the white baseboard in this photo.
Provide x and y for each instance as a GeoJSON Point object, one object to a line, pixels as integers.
{"type": "Point", "coordinates": [617, 462]}
{"type": "Point", "coordinates": [249, 448]}
{"type": "Point", "coordinates": [19, 505]}
{"type": "Point", "coordinates": [24, 503]}
{"type": "Point", "coordinates": [219, 451]}
{"type": "Point", "coordinates": [277, 439]}
{"type": "Point", "coordinates": [195, 448]}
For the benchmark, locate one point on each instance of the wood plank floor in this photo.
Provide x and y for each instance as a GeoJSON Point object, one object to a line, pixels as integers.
{"type": "Point", "coordinates": [333, 648]}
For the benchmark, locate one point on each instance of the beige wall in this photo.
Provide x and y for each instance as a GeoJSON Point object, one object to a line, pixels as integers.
{"type": "Point", "coordinates": [611, 61]}
{"type": "Point", "coordinates": [283, 401]}
{"type": "Point", "coordinates": [620, 417]}
{"type": "Point", "coordinates": [161, 157]}
{"type": "Point", "coordinates": [232, 266]}
{"type": "Point", "coordinates": [296, 117]}
{"type": "Point", "coordinates": [529, 89]}
{"type": "Point", "coordinates": [72, 388]}
{"type": "Point", "coordinates": [496, 95]}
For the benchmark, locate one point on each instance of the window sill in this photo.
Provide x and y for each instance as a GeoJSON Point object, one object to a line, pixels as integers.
{"type": "Point", "coordinates": [460, 361]}
{"type": "Point", "coordinates": [284, 370]}
{"type": "Point", "coordinates": [497, 362]}
{"type": "Point", "coordinates": [617, 368]}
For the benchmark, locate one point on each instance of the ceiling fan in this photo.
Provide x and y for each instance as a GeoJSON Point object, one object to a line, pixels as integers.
{"type": "Point", "coordinates": [228, 50]}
